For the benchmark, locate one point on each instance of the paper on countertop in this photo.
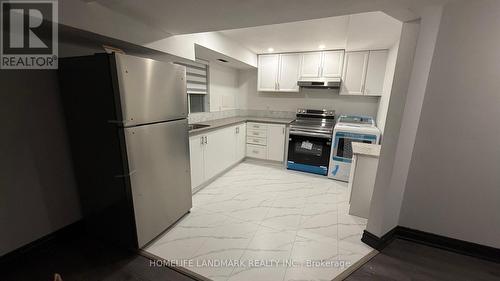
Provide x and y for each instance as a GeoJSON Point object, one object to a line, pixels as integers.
{"type": "Point", "coordinates": [307, 145]}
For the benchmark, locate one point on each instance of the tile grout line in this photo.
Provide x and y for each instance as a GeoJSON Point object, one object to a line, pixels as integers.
{"type": "Point", "coordinates": [296, 234]}
{"type": "Point", "coordinates": [250, 241]}
{"type": "Point", "coordinates": [267, 193]}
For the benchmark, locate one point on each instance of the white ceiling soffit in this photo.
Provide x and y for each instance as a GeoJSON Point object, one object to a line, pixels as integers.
{"type": "Point", "coordinates": [213, 57]}
{"type": "Point", "coordinates": [374, 30]}
{"type": "Point", "coordinates": [371, 31]}
{"type": "Point", "coordinates": [191, 16]}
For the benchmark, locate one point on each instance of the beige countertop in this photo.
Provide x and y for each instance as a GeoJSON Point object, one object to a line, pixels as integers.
{"type": "Point", "coordinates": [367, 149]}
{"type": "Point", "coordinates": [219, 123]}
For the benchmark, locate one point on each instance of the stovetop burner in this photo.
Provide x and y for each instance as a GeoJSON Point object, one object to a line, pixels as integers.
{"type": "Point", "coordinates": [314, 121]}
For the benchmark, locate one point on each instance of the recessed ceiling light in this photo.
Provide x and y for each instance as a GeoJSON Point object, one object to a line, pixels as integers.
{"type": "Point", "coordinates": [321, 46]}
{"type": "Point", "coordinates": [270, 50]}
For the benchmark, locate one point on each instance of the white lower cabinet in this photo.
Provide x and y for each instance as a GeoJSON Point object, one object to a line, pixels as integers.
{"type": "Point", "coordinates": [213, 152]}
{"type": "Point", "coordinates": [257, 151]}
{"type": "Point", "coordinates": [266, 141]}
{"type": "Point", "coordinates": [241, 142]}
{"type": "Point", "coordinates": [196, 148]}
{"type": "Point", "coordinates": [275, 142]}
{"type": "Point", "coordinates": [219, 151]}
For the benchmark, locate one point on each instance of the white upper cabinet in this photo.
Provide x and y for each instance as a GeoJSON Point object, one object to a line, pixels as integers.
{"type": "Point", "coordinates": [268, 72]}
{"type": "Point", "coordinates": [375, 73]}
{"type": "Point", "coordinates": [355, 65]}
{"type": "Point", "coordinates": [289, 72]}
{"type": "Point", "coordinates": [311, 65]}
{"type": "Point", "coordinates": [278, 73]}
{"type": "Point", "coordinates": [332, 64]}
{"type": "Point", "coordinates": [364, 73]}
{"type": "Point", "coordinates": [327, 64]}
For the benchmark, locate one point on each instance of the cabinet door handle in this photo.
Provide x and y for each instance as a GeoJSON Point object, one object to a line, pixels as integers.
{"type": "Point", "coordinates": [206, 140]}
{"type": "Point", "coordinates": [278, 85]}
{"type": "Point", "coordinates": [202, 140]}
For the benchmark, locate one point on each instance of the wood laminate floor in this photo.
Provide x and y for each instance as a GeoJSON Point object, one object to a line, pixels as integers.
{"type": "Point", "coordinates": [79, 259]}
{"type": "Point", "coordinates": [404, 261]}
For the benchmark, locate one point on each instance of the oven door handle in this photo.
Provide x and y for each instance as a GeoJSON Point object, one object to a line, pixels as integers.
{"type": "Point", "coordinates": [310, 134]}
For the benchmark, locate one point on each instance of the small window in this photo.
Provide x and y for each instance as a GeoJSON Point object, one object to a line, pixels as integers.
{"type": "Point", "coordinates": [197, 85]}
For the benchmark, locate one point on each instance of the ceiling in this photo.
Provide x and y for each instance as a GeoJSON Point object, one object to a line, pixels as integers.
{"type": "Point", "coordinates": [191, 16]}
{"type": "Point", "coordinates": [374, 30]}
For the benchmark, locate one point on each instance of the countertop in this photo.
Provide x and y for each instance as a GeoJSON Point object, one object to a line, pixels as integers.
{"type": "Point", "coordinates": [219, 123]}
{"type": "Point", "coordinates": [367, 149]}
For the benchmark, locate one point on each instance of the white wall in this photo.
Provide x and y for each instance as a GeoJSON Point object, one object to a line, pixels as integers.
{"type": "Point", "coordinates": [410, 81]}
{"type": "Point", "coordinates": [453, 186]}
{"type": "Point", "coordinates": [223, 84]}
{"type": "Point", "coordinates": [383, 105]}
{"type": "Point", "coordinates": [307, 98]}
{"type": "Point", "coordinates": [183, 46]}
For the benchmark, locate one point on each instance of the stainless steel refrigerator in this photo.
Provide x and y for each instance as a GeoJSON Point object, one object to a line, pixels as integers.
{"type": "Point", "coordinates": [128, 128]}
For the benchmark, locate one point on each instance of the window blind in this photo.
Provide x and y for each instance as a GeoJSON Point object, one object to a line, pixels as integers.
{"type": "Point", "coordinates": [196, 77]}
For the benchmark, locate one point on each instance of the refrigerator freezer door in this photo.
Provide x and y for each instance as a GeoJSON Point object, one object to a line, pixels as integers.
{"type": "Point", "coordinates": [150, 91]}
{"type": "Point", "coordinates": [158, 157]}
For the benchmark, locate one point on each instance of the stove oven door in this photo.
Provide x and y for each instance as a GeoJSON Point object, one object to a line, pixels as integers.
{"type": "Point", "coordinates": [309, 152]}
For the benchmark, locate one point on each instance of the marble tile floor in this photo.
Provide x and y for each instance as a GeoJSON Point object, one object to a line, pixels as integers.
{"type": "Point", "coordinates": [263, 222]}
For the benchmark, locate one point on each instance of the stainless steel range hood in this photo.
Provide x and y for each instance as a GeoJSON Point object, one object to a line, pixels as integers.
{"type": "Point", "coordinates": [332, 83]}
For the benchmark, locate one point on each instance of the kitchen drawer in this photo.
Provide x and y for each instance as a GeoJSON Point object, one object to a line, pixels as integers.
{"type": "Point", "coordinates": [256, 151]}
{"type": "Point", "coordinates": [256, 140]}
{"type": "Point", "coordinates": [256, 133]}
{"type": "Point", "coordinates": [256, 126]}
